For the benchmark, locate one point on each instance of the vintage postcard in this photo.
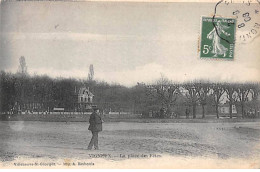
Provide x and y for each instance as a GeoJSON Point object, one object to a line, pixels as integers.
{"type": "Point", "coordinates": [130, 84]}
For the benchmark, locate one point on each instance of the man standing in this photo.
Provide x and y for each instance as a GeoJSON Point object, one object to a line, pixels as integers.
{"type": "Point", "coordinates": [95, 126]}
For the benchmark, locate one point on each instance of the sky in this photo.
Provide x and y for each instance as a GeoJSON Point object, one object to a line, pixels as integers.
{"type": "Point", "coordinates": [127, 42]}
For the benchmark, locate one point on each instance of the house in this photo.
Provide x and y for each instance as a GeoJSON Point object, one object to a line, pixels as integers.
{"type": "Point", "coordinates": [224, 109]}
{"type": "Point", "coordinates": [84, 99]}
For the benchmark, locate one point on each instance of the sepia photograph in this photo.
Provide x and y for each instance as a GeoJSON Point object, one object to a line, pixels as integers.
{"type": "Point", "coordinates": [130, 84]}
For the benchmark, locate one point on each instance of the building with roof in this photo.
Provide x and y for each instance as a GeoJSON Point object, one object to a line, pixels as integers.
{"type": "Point", "coordinates": [223, 109]}
{"type": "Point", "coordinates": [84, 99]}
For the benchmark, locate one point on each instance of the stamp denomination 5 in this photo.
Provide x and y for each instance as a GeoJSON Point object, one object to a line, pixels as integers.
{"type": "Point", "coordinates": [217, 37]}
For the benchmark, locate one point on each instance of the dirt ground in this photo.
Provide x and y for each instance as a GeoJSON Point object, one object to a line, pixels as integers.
{"type": "Point", "coordinates": [69, 140]}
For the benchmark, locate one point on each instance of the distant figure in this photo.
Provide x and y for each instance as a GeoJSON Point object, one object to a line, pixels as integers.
{"type": "Point", "coordinates": [162, 113]}
{"type": "Point", "coordinates": [95, 126]}
{"type": "Point", "coordinates": [187, 112]}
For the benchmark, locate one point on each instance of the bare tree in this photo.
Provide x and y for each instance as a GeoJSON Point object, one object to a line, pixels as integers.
{"type": "Point", "coordinates": [91, 73]}
{"type": "Point", "coordinates": [203, 90]}
{"type": "Point", "coordinates": [242, 92]}
{"type": "Point", "coordinates": [192, 96]}
{"type": "Point", "coordinates": [165, 92]}
{"type": "Point", "coordinates": [22, 67]}
{"type": "Point", "coordinates": [218, 91]}
{"type": "Point", "coordinates": [255, 91]}
{"type": "Point", "coordinates": [22, 71]}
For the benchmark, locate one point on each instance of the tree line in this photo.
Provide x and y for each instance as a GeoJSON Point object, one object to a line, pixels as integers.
{"type": "Point", "coordinates": [205, 93]}
{"type": "Point", "coordinates": [173, 98]}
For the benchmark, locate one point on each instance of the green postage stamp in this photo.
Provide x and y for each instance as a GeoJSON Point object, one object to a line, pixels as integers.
{"type": "Point", "coordinates": [217, 37]}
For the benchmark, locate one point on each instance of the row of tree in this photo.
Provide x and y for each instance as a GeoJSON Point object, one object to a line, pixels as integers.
{"type": "Point", "coordinates": [20, 88]}
{"type": "Point", "coordinates": [206, 93]}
